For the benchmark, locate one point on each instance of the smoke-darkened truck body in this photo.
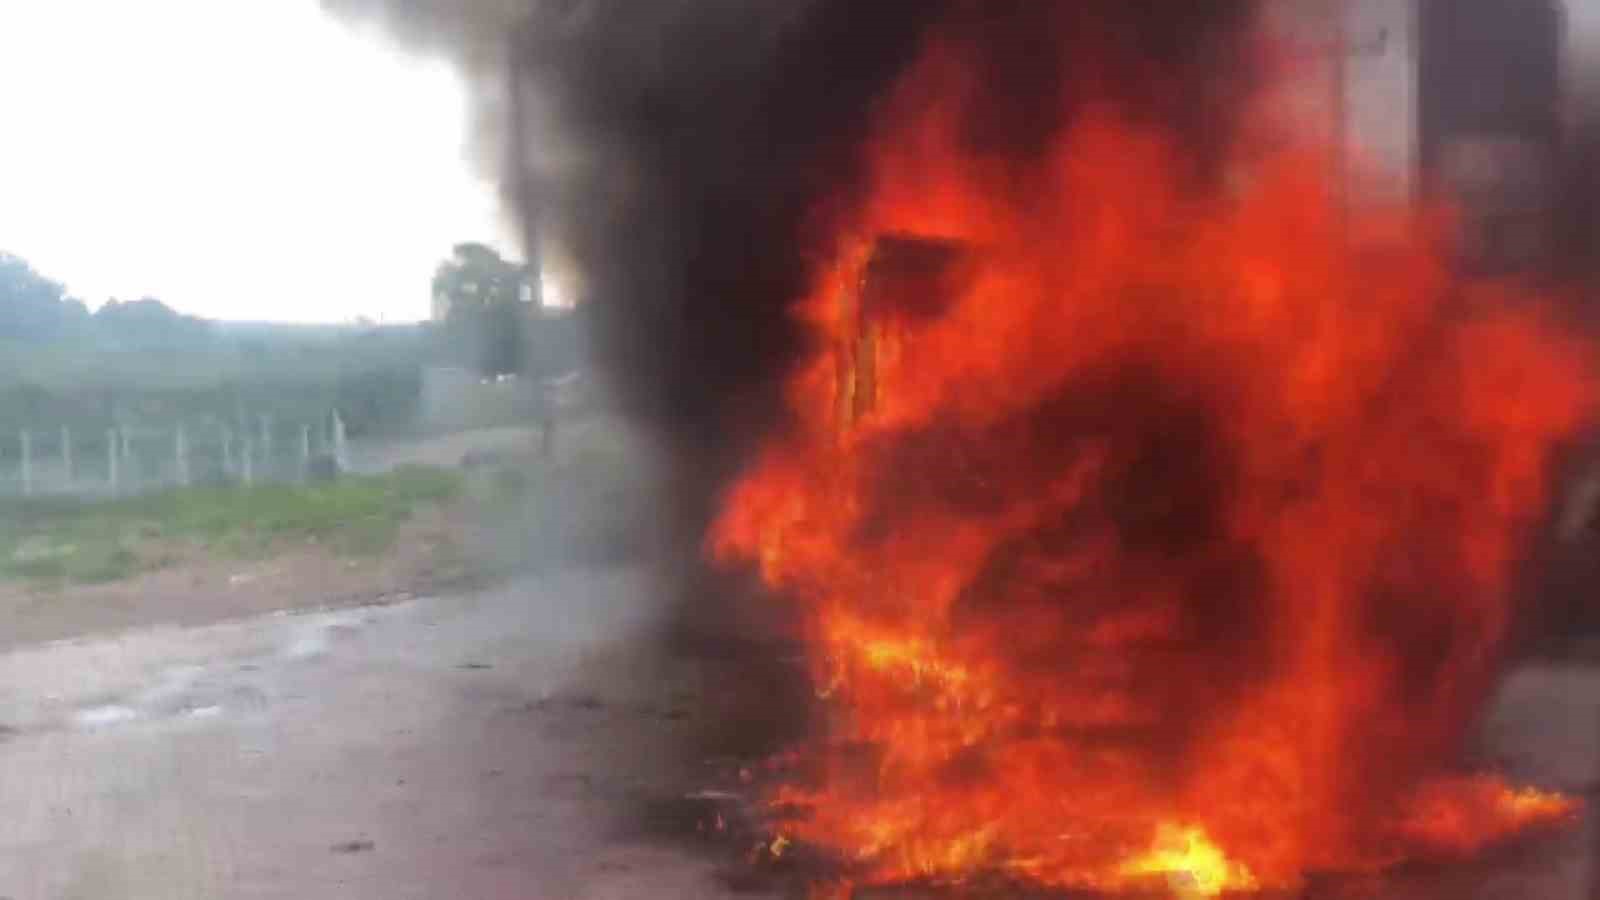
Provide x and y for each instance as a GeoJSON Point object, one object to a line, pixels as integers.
{"type": "Point", "coordinates": [900, 279]}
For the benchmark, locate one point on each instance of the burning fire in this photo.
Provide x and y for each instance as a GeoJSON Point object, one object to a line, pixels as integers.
{"type": "Point", "coordinates": [1147, 532]}
{"type": "Point", "coordinates": [1194, 866]}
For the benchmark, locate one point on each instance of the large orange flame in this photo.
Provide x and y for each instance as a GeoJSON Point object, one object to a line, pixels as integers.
{"type": "Point", "coordinates": [1174, 543]}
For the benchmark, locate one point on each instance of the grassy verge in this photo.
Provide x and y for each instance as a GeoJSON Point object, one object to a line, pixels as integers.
{"type": "Point", "coordinates": [73, 542]}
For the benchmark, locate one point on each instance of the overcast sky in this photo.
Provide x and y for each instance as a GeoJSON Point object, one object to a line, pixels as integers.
{"type": "Point", "coordinates": [242, 159]}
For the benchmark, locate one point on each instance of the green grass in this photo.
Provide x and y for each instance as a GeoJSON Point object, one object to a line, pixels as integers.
{"type": "Point", "coordinates": [69, 542]}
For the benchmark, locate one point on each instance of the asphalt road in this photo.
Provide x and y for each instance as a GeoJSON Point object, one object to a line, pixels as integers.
{"type": "Point", "coordinates": [482, 747]}
{"type": "Point", "coordinates": [462, 747]}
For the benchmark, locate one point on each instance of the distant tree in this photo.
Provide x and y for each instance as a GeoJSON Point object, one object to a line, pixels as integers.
{"type": "Point", "coordinates": [485, 313]}
{"type": "Point", "coordinates": [33, 306]}
{"type": "Point", "coordinates": [149, 321]}
{"type": "Point", "coordinates": [476, 275]}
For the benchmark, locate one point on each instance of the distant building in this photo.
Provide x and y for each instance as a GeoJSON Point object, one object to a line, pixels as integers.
{"type": "Point", "coordinates": [1467, 99]}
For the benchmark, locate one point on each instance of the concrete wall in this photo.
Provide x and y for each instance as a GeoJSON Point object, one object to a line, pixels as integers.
{"type": "Point", "coordinates": [1580, 110]}
{"type": "Point", "coordinates": [1581, 58]}
{"type": "Point", "coordinates": [455, 398]}
{"type": "Point", "coordinates": [1381, 111]}
{"type": "Point", "coordinates": [1352, 86]}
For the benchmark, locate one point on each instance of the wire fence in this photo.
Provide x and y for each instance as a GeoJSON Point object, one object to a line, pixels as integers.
{"type": "Point", "coordinates": [133, 459]}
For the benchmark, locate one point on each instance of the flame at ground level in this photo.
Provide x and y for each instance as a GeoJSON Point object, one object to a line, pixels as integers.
{"type": "Point", "coordinates": [1191, 864]}
{"type": "Point", "coordinates": [1155, 531]}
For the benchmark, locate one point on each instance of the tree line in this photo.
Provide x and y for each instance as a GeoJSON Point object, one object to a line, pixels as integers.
{"type": "Point", "coordinates": [36, 308]}
{"type": "Point", "coordinates": [141, 360]}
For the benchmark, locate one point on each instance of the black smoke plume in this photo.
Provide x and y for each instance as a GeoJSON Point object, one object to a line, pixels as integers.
{"type": "Point", "coordinates": [683, 157]}
{"type": "Point", "coordinates": [678, 151]}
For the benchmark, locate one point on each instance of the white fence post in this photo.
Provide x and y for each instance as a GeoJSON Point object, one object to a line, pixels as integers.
{"type": "Point", "coordinates": [27, 463]}
{"type": "Point", "coordinates": [181, 449]}
{"type": "Point", "coordinates": [247, 466]}
{"type": "Point", "coordinates": [66, 456]}
{"type": "Point", "coordinates": [113, 460]}
{"type": "Point", "coordinates": [130, 472]}
{"type": "Point", "coordinates": [266, 445]}
{"type": "Point", "coordinates": [305, 452]}
{"type": "Point", "coordinates": [341, 454]}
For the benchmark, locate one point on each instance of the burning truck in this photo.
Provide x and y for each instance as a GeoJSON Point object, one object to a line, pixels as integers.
{"type": "Point", "coordinates": [1101, 388]}
{"type": "Point", "coordinates": [1150, 534]}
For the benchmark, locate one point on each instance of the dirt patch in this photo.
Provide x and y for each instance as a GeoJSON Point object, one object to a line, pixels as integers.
{"type": "Point", "coordinates": [190, 588]}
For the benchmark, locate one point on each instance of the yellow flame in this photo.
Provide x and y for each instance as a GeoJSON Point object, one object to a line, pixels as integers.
{"type": "Point", "coordinates": [1193, 866]}
{"type": "Point", "coordinates": [1532, 803]}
